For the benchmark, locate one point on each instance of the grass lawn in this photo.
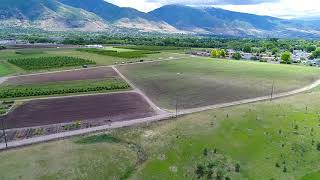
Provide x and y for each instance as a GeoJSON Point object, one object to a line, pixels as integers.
{"type": "Point", "coordinates": [204, 81]}
{"type": "Point", "coordinates": [266, 140]}
{"type": "Point", "coordinates": [68, 160]}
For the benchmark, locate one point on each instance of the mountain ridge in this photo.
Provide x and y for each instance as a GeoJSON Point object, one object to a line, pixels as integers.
{"type": "Point", "coordinates": [99, 15]}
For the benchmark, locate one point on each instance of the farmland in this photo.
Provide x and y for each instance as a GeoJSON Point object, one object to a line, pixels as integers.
{"type": "Point", "coordinates": [49, 62]}
{"type": "Point", "coordinates": [62, 88]}
{"type": "Point", "coordinates": [81, 74]}
{"type": "Point", "coordinates": [268, 136]}
{"type": "Point", "coordinates": [114, 107]}
{"type": "Point", "coordinates": [197, 82]}
{"type": "Point", "coordinates": [119, 54]}
{"type": "Point", "coordinates": [8, 69]}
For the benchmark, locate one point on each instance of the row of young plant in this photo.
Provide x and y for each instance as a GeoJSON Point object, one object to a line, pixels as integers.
{"type": "Point", "coordinates": [126, 54]}
{"type": "Point", "coordinates": [20, 91]}
{"type": "Point", "coordinates": [49, 62]}
{"type": "Point", "coordinates": [5, 106]}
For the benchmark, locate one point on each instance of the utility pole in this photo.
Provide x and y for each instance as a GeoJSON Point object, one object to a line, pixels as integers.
{"type": "Point", "coordinates": [272, 90]}
{"type": "Point", "coordinates": [4, 132]}
{"type": "Point", "coordinates": [178, 74]}
{"type": "Point", "coordinates": [177, 105]}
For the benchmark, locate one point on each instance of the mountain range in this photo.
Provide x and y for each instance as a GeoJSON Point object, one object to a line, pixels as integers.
{"type": "Point", "coordinates": [99, 15]}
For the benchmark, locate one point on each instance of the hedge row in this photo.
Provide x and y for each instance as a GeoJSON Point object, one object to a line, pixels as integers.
{"type": "Point", "coordinates": [25, 91]}
{"type": "Point", "coordinates": [49, 62]}
{"type": "Point", "coordinates": [126, 54]}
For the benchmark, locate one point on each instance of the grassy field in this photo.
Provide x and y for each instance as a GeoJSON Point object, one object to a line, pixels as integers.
{"type": "Point", "coordinates": [204, 81]}
{"type": "Point", "coordinates": [268, 140]}
{"type": "Point", "coordinates": [62, 88]}
{"type": "Point", "coordinates": [8, 69]}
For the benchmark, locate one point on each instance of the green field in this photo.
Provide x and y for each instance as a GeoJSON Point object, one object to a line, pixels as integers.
{"type": "Point", "coordinates": [40, 63]}
{"type": "Point", "coordinates": [268, 140]}
{"type": "Point", "coordinates": [9, 69]}
{"type": "Point", "coordinates": [62, 88]}
{"type": "Point", "coordinates": [199, 82]}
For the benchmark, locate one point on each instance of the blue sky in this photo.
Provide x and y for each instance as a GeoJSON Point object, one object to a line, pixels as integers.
{"type": "Point", "coordinates": [279, 8]}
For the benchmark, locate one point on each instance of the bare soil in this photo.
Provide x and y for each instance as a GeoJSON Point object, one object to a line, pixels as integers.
{"type": "Point", "coordinates": [109, 107]}
{"type": "Point", "coordinates": [83, 74]}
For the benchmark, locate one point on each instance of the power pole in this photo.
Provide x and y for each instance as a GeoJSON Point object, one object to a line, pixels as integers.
{"type": "Point", "coordinates": [272, 90]}
{"type": "Point", "coordinates": [4, 132]}
{"type": "Point", "coordinates": [177, 105]}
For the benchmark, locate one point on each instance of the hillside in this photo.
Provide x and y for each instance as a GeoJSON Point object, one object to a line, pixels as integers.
{"type": "Point", "coordinates": [122, 17]}
{"type": "Point", "coordinates": [48, 15]}
{"type": "Point", "coordinates": [224, 22]}
{"type": "Point", "coordinates": [99, 15]}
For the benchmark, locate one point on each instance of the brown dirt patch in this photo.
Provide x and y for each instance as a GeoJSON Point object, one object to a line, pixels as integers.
{"type": "Point", "coordinates": [114, 107]}
{"type": "Point", "coordinates": [83, 74]}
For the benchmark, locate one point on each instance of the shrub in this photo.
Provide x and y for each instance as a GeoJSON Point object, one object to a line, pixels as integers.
{"type": "Point", "coordinates": [236, 56]}
{"type": "Point", "coordinates": [53, 89]}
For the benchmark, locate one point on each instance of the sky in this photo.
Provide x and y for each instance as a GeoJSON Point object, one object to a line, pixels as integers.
{"type": "Point", "coordinates": [287, 9]}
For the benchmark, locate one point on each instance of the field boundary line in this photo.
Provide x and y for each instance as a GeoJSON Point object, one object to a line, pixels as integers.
{"type": "Point", "coordinates": [150, 102]}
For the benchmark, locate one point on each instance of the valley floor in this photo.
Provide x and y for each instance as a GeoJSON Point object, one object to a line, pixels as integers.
{"type": "Point", "coordinates": [267, 140]}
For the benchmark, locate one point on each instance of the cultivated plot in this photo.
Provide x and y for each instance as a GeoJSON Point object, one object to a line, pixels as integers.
{"type": "Point", "coordinates": [196, 82]}
{"type": "Point", "coordinates": [111, 107]}
{"type": "Point", "coordinates": [82, 74]}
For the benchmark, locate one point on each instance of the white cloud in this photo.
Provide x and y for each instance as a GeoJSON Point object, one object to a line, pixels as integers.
{"type": "Point", "coordinates": [277, 8]}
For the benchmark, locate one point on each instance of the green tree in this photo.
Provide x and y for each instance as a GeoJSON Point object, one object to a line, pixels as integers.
{"type": "Point", "coordinates": [316, 53]}
{"type": "Point", "coordinates": [275, 51]}
{"type": "Point", "coordinates": [223, 53]}
{"type": "Point", "coordinates": [286, 58]}
{"type": "Point", "coordinates": [247, 49]}
{"type": "Point", "coordinates": [311, 48]}
{"type": "Point", "coordinates": [236, 56]}
{"type": "Point", "coordinates": [214, 53]}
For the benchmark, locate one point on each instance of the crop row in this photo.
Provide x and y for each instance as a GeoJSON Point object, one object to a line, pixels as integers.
{"type": "Point", "coordinates": [152, 48]}
{"type": "Point", "coordinates": [27, 91]}
{"type": "Point", "coordinates": [49, 62]}
{"type": "Point", "coordinates": [126, 54]}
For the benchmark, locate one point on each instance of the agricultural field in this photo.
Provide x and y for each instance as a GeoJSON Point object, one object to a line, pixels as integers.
{"type": "Point", "coordinates": [72, 75]}
{"type": "Point", "coordinates": [9, 69]}
{"type": "Point", "coordinates": [62, 88]}
{"type": "Point", "coordinates": [5, 106]}
{"type": "Point", "coordinates": [113, 107]}
{"type": "Point", "coordinates": [196, 82]}
{"type": "Point", "coordinates": [119, 54]}
{"type": "Point", "coordinates": [273, 140]}
{"type": "Point", "coordinates": [41, 63]}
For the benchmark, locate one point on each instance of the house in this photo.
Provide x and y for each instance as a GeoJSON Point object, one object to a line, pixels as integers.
{"type": "Point", "coordinates": [93, 46]}
{"type": "Point", "coordinates": [205, 53]}
{"type": "Point", "coordinates": [315, 62]}
{"type": "Point", "coordinates": [8, 42]}
{"type": "Point", "coordinates": [247, 56]}
{"type": "Point", "coordinates": [299, 55]}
